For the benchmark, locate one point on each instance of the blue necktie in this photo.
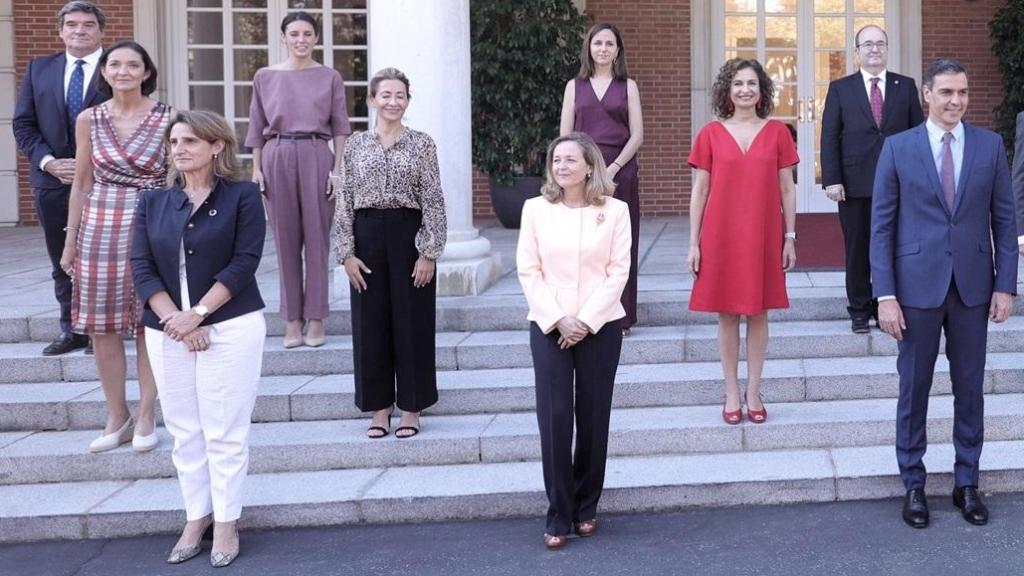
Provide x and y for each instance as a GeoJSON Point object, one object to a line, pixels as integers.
{"type": "Point", "coordinates": [76, 91]}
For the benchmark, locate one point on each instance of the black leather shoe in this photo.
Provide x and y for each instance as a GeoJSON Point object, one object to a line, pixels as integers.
{"type": "Point", "coordinates": [66, 343]}
{"type": "Point", "coordinates": [968, 500]}
{"type": "Point", "coordinates": [860, 326]}
{"type": "Point", "coordinates": [915, 509]}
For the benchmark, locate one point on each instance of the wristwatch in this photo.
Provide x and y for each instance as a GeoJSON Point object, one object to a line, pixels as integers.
{"type": "Point", "coordinates": [201, 310]}
{"type": "Point", "coordinates": [791, 235]}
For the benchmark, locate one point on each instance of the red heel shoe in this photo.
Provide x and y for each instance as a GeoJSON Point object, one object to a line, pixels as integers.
{"type": "Point", "coordinates": [758, 416]}
{"type": "Point", "coordinates": [734, 417]}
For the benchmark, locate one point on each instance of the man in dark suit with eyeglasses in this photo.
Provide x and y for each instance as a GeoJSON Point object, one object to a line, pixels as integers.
{"type": "Point", "coordinates": [55, 89]}
{"type": "Point", "coordinates": [861, 110]}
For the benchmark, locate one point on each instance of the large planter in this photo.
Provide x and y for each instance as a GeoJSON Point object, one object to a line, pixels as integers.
{"type": "Point", "coordinates": [508, 200]}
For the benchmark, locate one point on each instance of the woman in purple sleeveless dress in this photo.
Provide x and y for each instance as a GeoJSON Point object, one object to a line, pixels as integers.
{"type": "Point", "coordinates": [604, 103]}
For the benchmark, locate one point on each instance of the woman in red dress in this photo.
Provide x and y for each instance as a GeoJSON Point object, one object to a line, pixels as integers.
{"type": "Point", "coordinates": [743, 195]}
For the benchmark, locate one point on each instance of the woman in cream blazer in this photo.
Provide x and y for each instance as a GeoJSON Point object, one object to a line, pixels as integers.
{"type": "Point", "coordinates": [573, 261]}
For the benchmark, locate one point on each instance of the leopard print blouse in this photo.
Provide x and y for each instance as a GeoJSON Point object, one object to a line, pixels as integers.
{"type": "Point", "coordinates": [405, 175]}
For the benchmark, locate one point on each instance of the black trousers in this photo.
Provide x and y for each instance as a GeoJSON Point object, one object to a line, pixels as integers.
{"type": "Point", "coordinates": [392, 321]}
{"type": "Point", "coordinates": [855, 218]}
{"type": "Point", "coordinates": [52, 212]}
{"type": "Point", "coordinates": [574, 384]}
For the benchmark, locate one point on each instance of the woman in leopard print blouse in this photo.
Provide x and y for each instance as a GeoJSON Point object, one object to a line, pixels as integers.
{"type": "Point", "coordinates": [390, 227]}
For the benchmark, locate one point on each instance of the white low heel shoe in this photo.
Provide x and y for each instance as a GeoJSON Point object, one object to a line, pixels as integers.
{"type": "Point", "coordinates": [114, 439]}
{"type": "Point", "coordinates": [145, 443]}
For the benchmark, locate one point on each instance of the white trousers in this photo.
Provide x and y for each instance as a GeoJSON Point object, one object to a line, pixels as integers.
{"type": "Point", "coordinates": [207, 400]}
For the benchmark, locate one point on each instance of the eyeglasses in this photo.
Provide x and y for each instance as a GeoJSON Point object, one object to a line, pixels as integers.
{"type": "Point", "coordinates": [872, 45]}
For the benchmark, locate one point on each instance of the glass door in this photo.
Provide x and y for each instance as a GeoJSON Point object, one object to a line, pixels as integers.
{"type": "Point", "coordinates": [228, 40]}
{"type": "Point", "coordinates": [803, 45]}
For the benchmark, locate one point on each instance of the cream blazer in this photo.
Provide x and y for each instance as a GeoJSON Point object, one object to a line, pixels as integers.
{"type": "Point", "coordinates": [574, 261]}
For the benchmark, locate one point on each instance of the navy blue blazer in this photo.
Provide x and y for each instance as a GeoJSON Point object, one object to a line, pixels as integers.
{"type": "Point", "coordinates": [223, 243]}
{"type": "Point", "coordinates": [850, 139]}
{"type": "Point", "coordinates": [40, 116]}
{"type": "Point", "coordinates": [918, 246]}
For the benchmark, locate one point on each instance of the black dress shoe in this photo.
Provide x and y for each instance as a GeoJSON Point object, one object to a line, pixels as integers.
{"type": "Point", "coordinates": [915, 509]}
{"type": "Point", "coordinates": [66, 343]}
{"type": "Point", "coordinates": [860, 326]}
{"type": "Point", "coordinates": [968, 500]}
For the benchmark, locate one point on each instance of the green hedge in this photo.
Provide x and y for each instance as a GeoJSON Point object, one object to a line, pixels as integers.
{"type": "Point", "coordinates": [1006, 31]}
{"type": "Point", "coordinates": [523, 52]}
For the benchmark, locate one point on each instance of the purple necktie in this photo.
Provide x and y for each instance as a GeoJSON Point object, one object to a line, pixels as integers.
{"type": "Point", "coordinates": [946, 172]}
{"type": "Point", "coordinates": [876, 102]}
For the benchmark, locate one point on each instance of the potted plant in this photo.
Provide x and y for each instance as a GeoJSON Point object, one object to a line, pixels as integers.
{"type": "Point", "coordinates": [523, 51]}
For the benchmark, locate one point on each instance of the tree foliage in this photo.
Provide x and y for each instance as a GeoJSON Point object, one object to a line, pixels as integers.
{"type": "Point", "coordinates": [1006, 30]}
{"type": "Point", "coordinates": [523, 51]}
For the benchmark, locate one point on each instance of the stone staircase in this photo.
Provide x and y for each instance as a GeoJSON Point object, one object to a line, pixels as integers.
{"type": "Point", "coordinates": [830, 394]}
{"type": "Point", "coordinates": [831, 397]}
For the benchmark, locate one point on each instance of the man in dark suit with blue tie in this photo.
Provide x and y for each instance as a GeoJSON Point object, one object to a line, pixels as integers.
{"type": "Point", "coordinates": [943, 259]}
{"type": "Point", "coordinates": [55, 89]}
{"type": "Point", "coordinates": [861, 110]}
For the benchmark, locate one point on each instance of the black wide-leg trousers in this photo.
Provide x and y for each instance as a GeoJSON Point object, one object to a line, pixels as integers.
{"type": "Point", "coordinates": [392, 321]}
{"type": "Point", "coordinates": [574, 385]}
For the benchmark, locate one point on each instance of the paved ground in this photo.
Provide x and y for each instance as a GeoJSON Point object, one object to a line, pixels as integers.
{"type": "Point", "coordinates": [848, 538]}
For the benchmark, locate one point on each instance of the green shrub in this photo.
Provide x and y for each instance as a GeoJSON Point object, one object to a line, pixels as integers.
{"type": "Point", "coordinates": [523, 52]}
{"type": "Point", "coordinates": [1006, 31]}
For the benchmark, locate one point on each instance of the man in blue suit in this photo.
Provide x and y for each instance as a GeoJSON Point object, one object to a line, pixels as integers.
{"type": "Point", "coordinates": [943, 258]}
{"type": "Point", "coordinates": [55, 89]}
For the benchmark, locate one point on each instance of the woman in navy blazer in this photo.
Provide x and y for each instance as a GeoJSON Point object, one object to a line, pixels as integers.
{"type": "Point", "coordinates": [197, 246]}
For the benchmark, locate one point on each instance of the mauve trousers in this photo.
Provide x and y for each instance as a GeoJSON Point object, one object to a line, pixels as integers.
{"type": "Point", "coordinates": [295, 175]}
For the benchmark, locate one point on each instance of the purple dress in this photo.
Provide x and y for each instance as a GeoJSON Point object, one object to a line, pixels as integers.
{"type": "Point", "coordinates": [607, 122]}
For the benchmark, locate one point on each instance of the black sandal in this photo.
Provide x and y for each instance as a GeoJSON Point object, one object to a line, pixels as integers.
{"type": "Point", "coordinates": [415, 430]}
{"type": "Point", "coordinates": [371, 432]}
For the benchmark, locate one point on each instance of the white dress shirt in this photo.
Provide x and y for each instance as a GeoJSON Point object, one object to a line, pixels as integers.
{"type": "Point", "coordinates": [91, 62]}
{"type": "Point", "coordinates": [867, 82]}
{"type": "Point", "coordinates": [935, 134]}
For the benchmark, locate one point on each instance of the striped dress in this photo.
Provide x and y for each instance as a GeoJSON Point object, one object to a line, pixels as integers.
{"type": "Point", "coordinates": [104, 299]}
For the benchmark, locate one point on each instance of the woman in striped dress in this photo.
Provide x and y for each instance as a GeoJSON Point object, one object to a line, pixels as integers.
{"type": "Point", "coordinates": [120, 153]}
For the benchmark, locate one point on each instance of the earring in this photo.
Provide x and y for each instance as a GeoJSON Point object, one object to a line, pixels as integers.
{"type": "Point", "coordinates": [214, 155]}
{"type": "Point", "coordinates": [588, 175]}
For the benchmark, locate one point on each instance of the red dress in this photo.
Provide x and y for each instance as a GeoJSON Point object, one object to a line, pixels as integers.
{"type": "Point", "coordinates": [741, 231]}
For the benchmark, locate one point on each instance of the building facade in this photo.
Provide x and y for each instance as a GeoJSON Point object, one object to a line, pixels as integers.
{"type": "Point", "coordinates": [208, 50]}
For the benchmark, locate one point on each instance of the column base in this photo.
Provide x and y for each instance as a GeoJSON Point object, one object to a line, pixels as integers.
{"type": "Point", "coordinates": [469, 276]}
{"type": "Point", "coordinates": [461, 277]}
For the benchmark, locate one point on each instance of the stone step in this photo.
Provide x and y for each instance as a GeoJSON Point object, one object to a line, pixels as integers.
{"type": "Point", "coordinates": [80, 405]}
{"type": "Point", "coordinates": [507, 311]}
{"type": "Point", "coordinates": [21, 362]}
{"type": "Point", "coordinates": [490, 313]}
{"type": "Point", "coordinates": [41, 457]}
{"type": "Point", "coordinates": [106, 509]}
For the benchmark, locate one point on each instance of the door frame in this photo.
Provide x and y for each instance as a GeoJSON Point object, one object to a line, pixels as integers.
{"type": "Point", "coordinates": [707, 29]}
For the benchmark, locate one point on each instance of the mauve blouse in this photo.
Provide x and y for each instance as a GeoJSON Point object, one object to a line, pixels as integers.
{"type": "Point", "coordinates": [288, 101]}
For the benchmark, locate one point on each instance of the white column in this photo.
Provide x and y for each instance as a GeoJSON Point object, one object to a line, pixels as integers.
{"type": "Point", "coordinates": [429, 41]}
{"type": "Point", "coordinates": [8, 94]}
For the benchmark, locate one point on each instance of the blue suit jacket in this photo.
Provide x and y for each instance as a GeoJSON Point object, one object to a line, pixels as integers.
{"type": "Point", "coordinates": [918, 246]}
{"type": "Point", "coordinates": [223, 243]}
{"type": "Point", "coordinates": [40, 115]}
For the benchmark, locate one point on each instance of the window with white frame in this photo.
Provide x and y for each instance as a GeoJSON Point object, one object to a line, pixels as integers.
{"type": "Point", "coordinates": [227, 41]}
